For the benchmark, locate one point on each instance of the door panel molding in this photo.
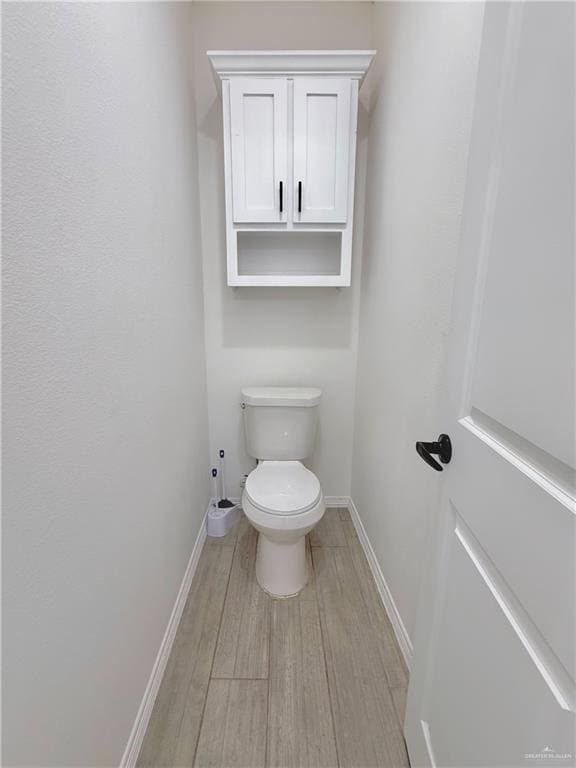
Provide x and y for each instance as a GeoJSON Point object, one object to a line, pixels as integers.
{"type": "Point", "coordinates": [548, 664]}
{"type": "Point", "coordinates": [555, 477]}
{"type": "Point", "coordinates": [494, 694]}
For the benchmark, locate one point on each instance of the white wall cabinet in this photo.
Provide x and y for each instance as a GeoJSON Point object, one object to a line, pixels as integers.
{"type": "Point", "coordinates": [289, 159]}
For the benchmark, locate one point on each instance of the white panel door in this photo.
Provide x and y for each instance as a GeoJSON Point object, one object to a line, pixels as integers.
{"type": "Point", "coordinates": [321, 149]}
{"type": "Point", "coordinates": [259, 136]}
{"type": "Point", "coordinates": [493, 677]}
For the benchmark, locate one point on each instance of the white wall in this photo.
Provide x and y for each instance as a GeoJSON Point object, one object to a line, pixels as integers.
{"type": "Point", "coordinates": [423, 90]}
{"type": "Point", "coordinates": [105, 429]}
{"type": "Point", "coordinates": [292, 336]}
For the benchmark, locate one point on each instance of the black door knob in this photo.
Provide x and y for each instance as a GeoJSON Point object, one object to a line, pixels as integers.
{"type": "Point", "coordinates": [441, 448]}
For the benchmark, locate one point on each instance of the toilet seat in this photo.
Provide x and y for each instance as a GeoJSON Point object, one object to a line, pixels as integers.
{"type": "Point", "coordinates": [282, 488]}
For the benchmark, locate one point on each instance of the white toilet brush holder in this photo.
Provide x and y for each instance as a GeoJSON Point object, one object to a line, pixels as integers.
{"type": "Point", "coordinates": [220, 520]}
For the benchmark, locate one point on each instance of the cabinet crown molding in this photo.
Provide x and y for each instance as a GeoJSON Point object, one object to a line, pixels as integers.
{"type": "Point", "coordinates": [353, 64]}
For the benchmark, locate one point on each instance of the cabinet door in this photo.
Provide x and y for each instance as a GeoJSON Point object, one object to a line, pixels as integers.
{"type": "Point", "coordinates": [259, 127]}
{"type": "Point", "coordinates": [321, 149]}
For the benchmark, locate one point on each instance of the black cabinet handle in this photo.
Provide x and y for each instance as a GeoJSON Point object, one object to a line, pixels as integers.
{"type": "Point", "coordinates": [441, 448]}
{"type": "Point", "coordinates": [299, 197]}
{"type": "Point", "coordinates": [281, 196]}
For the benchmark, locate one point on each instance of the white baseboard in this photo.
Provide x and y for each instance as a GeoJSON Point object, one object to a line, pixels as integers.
{"type": "Point", "coordinates": [337, 501]}
{"type": "Point", "coordinates": [402, 635]}
{"type": "Point", "coordinates": [142, 718]}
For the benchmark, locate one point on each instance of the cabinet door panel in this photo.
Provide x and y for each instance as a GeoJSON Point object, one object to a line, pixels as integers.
{"type": "Point", "coordinates": [258, 124]}
{"type": "Point", "coordinates": [321, 149]}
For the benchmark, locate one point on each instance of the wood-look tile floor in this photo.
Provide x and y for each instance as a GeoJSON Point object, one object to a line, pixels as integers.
{"type": "Point", "coordinates": [315, 681]}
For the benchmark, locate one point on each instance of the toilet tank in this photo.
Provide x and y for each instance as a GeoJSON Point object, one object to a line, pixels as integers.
{"type": "Point", "coordinates": [280, 422]}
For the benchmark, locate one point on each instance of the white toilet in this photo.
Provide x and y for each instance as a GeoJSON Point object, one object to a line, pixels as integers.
{"type": "Point", "coordinates": [282, 499]}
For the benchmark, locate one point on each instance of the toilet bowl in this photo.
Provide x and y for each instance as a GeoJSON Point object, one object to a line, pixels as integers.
{"type": "Point", "coordinates": [283, 501]}
{"type": "Point", "coordinates": [282, 498]}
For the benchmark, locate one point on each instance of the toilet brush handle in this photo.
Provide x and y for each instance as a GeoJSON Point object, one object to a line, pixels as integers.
{"type": "Point", "coordinates": [222, 482]}
{"type": "Point", "coordinates": [215, 486]}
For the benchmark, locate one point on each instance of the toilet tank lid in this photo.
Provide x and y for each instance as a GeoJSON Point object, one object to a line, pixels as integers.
{"type": "Point", "coordinates": [304, 397]}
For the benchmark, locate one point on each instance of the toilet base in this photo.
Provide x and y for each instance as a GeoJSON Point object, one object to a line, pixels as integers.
{"type": "Point", "coordinates": [281, 567]}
